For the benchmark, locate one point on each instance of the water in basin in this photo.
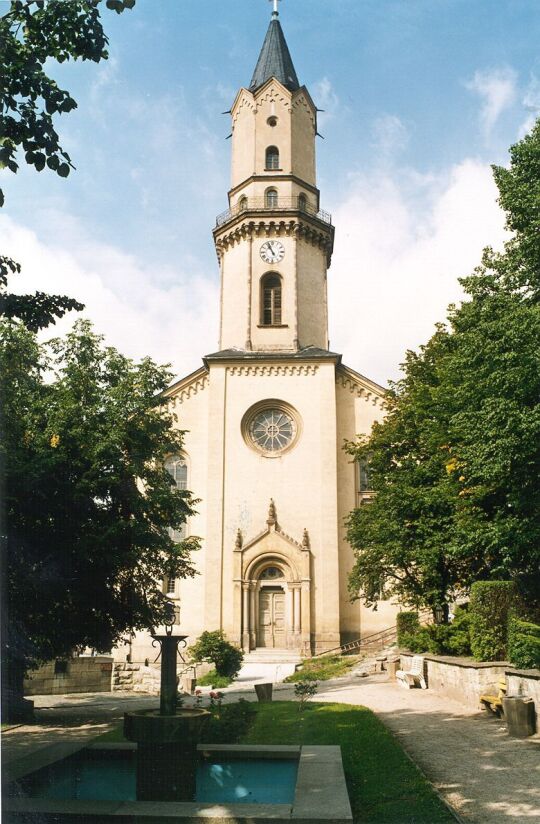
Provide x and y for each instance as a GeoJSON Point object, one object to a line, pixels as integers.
{"type": "Point", "coordinates": [110, 776]}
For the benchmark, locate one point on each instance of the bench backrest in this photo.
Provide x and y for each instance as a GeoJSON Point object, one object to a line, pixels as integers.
{"type": "Point", "coordinates": [417, 665]}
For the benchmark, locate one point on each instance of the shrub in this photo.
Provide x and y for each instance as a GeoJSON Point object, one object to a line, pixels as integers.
{"type": "Point", "coordinates": [214, 648]}
{"type": "Point", "coordinates": [441, 639]}
{"type": "Point", "coordinates": [212, 679]}
{"type": "Point", "coordinates": [232, 723]}
{"type": "Point", "coordinates": [458, 640]}
{"type": "Point", "coordinates": [407, 624]}
{"type": "Point", "coordinates": [490, 605]}
{"type": "Point", "coordinates": [523, 644]}
{"type": "Point", "coordinates": [304, 690]}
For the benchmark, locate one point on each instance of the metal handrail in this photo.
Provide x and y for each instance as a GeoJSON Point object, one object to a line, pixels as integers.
{"type": "Point", "coordinates": [423, 617]}
{"type": "Point", "coordinates": [262, 204]}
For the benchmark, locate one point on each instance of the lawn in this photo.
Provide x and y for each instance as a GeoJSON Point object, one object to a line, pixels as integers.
{"type": "Point", "coordinates": [384, 785]}
{"type": "Point", "coordinates": [321, 669]}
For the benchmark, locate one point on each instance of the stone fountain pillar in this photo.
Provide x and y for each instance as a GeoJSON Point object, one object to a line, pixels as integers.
{"type": "Point", "coordinates": [166, 741]}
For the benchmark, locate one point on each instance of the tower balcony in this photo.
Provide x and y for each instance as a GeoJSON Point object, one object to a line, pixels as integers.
{"type": "Point", "coordinates": [264, 206]}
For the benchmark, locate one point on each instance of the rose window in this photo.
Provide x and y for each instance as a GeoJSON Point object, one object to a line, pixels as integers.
{"type": "Point", "coordinates": [271, 427]}
{"type": "Point", "coordinates": [272, 430]}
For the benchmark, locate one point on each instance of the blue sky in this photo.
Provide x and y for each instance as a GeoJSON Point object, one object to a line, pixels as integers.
{"type": "Point", "coordinates": [420, 96]}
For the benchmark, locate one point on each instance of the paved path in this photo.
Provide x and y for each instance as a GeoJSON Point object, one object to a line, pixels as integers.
{"type": "Point", "coordinates": [488, 777]}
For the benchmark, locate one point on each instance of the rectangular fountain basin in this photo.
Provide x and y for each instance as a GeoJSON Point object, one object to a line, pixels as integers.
{"type": "Point", "coordinates": [235, 783]}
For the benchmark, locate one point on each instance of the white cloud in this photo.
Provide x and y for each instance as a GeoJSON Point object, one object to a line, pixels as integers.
{"type": "Point", "coordinates": [391, 135]}
{"type": "Point", "coordinates": [497, 89]}
{"type": "Point", "coordinates": [169, 315]}
{"type": "Point", "coordinates": [326, 99]}
{"type": "Point", "coordinates": [396, 262]}
{"type": "Point", "coordinates": [402, 240]}
{"type": "Point", "coordinates": [531, 102]}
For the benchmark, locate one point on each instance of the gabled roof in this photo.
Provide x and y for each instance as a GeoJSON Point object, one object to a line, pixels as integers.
{"type": "Point", "coordinates": [274, 60]}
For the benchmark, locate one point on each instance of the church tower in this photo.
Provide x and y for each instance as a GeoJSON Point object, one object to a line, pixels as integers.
{"type": "Point", "coordinates": [274, 243]}
{"type": "Point", "coordinates": [265, 417]}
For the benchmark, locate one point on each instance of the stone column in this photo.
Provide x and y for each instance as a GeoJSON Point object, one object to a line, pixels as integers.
{"type": "Point", "coordinates": [245, 616]}
{"type": "Point", "coordinates": [252, 616]}
{"type": "Point", "coordinates": [297, 623]}
{"type": "Point", "coordinates": [291, 643]}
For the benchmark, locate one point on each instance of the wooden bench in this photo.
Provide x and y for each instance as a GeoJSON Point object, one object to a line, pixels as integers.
{"type": "Point", "coordinates": [410, 678]}
{"type": "Point", "coordinates": [494, 703]}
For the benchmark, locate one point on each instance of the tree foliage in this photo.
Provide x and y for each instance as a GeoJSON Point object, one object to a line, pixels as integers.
{"type": "Point", "coordinates": [89, 507]}
{"type": "Point", "coordinates": [35, 311]}
{"type": "Point", "coordinates": [214, 648]}
{"type": "Point", "coordinates": [32, 32]}
{"type": "Point", "coordinates": [456, 462]}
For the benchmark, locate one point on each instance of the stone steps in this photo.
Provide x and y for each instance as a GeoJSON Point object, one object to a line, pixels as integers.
{"type": "Point", "coordinates": [272, 656]}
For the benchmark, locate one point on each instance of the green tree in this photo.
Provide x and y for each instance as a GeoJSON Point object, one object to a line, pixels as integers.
{"type": "Point", "coordinates": [36, 311]}
{"type": "Point", "coordinates": [89, 507]}
{"type": "Point", "coordinates": [456, 462]}
{"type": "Point", "coordinates": [31, 33]}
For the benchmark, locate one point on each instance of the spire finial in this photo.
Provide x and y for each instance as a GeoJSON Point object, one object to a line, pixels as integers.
{"type": "Point", "coordinates": [275, 11]}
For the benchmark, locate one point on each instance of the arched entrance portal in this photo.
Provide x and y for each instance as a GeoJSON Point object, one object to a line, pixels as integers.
{"type": "Point", "coordinates": [272, 590]}
{"type": "Point", "coordinates": [272, 618]}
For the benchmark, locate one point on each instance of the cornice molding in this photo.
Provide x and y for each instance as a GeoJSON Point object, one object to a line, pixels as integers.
{"type": "Point", "coordinates": [360, 386]}
{"type": "Point", "coordinates": [311, 230]}
{"type": "Point", "coordinates": [264, 370]}
{"type": "Point", "coordinates": [186, 388]}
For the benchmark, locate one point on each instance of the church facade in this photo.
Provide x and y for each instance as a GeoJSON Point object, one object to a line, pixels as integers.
{"type": "Point", "coordinates": [266, 416]}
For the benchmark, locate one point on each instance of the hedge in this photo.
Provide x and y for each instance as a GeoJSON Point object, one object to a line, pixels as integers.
{"type": "Point", "coordinates": [523, 644]}
{"type": "Point", "coordinates": [408, 623]}
{"type": "Point", "coordinates": [489, 609]}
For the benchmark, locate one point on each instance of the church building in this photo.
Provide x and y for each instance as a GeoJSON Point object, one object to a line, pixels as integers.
{"type": "Point", "coordinates": [266, 416]}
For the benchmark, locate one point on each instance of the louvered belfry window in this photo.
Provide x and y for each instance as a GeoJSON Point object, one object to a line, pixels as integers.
{"type": "Point", "coordinates": [271, 300]}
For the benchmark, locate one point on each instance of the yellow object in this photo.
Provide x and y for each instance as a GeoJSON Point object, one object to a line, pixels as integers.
{"type": "Point", "coordinates": [494, 703]}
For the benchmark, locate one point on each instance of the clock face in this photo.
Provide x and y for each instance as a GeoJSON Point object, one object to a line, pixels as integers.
{"type": "Point", "coordinates": [272, 251]}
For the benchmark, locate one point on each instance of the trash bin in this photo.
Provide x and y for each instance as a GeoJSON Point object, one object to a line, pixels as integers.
{"type": "Point", "coordinates": [264, 692]}
{"type": "Point", "coordinates": [520, 715]}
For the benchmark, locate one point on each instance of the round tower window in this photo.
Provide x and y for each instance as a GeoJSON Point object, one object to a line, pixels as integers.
{"type": "Point", "coordinates": [272, 121]}
{"type": "Point", "coordinates": [271, 428]}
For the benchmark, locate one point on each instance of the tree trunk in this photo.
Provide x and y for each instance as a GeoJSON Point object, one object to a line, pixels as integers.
{"type": "Point", "coordinates": [15, 707]}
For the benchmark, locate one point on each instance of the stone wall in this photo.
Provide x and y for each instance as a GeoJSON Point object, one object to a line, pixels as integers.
{"type": "Point", "coordinates": [142, 678]}
{"type": "Point", "coordinates": [136, 677]}
{"type": "Point", "coordinates": [525, 682]}
{"type": "Point", "coordinates": [461, 679]}
{"type": "Point", "coordinates": [81, 674]}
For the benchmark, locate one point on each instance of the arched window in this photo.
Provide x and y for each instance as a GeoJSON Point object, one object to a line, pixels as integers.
{"type": "Point", "coordinates": [177, 468]}
{"type": "Point", "coordinates": [169, 585]}
{"type": "Point", "coordinates": [243, 203]}
{"type": "Point", "coordinates": [271, 300]}
{"type": "Point", "coordinates": [272, 158]}
{"type": "Point", "coordinates": [271, 199]}
{"type": "Point", "coordinates": [302, 202]}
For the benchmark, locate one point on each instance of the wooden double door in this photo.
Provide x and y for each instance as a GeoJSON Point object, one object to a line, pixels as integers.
{"type": "Point", "coordinates": [271, 629]}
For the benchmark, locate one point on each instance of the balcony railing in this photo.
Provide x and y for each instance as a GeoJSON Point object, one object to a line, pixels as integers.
{"type": "Point", "coordinates": [281, 204]}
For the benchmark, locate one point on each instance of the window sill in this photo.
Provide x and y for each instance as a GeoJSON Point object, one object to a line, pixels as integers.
{"type": "Point", "coordinates": [272, 326]}
{"type": "Point", "coordinates": [273, 170]}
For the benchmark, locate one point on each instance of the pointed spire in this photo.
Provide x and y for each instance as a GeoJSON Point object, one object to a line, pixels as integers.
{"type": "Point", "coordinates": [275, 59]}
